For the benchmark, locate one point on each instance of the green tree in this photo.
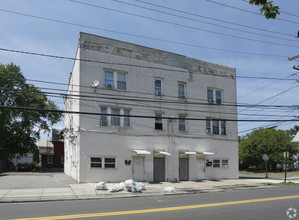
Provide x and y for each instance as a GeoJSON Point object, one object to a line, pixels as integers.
{"type": "Point", "coordinates": [20, 129]}
{"type": "Point", "coordinates": [265, 141]}
{"type": "Point", "coordinates": [268, 9]}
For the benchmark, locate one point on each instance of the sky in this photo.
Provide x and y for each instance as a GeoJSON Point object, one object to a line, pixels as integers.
{"type": "Point", "coordinates": [230, 33]}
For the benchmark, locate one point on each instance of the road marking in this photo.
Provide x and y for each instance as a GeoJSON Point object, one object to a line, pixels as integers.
{"type": "Point", "coordinates": [92, 215]}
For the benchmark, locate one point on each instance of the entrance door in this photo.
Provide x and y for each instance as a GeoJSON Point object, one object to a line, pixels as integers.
{"type": "Point", "coordinates": [183, 169]}
{"type": "Point", "coordinates": [200, 169]}
{"type": "Point", "coordinates": [159, 169]}
{"type": "Point", "coordinates": [138, 168]}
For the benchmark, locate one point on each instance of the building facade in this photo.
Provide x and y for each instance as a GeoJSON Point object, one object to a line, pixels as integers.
{"type": "Point", "coordinates": [148, 115]}
{"type": "Point", "coordinates": [52, 152]}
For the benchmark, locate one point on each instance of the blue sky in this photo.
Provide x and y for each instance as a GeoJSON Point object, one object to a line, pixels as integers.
{"type": "Point", "coordinates": [25, 33]}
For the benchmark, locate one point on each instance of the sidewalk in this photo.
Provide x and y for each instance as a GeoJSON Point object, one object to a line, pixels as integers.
{"type": "Point", "coordinates": [87, 191]}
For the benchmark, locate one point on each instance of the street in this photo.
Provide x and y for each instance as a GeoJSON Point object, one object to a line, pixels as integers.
{"type": "Point", "coordinates": [269, 203]}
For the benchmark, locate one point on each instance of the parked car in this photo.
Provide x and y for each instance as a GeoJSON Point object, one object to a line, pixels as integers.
{"type": "Point", "coordinates": [23, 167]}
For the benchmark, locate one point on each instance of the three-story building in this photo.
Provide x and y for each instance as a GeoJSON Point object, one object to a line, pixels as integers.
{"type": "Point", "coordinates": [155, 115]}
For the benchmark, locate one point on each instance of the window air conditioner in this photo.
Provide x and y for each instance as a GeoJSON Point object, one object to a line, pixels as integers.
{"type": "Point", "coordinates": [103, 123]}
{"type": "Point", "coordinates": [109, 86]}
{"type": "Point", "coordinates": [158, 93]}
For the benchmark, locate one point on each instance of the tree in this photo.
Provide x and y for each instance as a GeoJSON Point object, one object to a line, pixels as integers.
{"type": "Point", "coordinates": [269, 10]}
{"type": "Point", "coordinates": [20, 129]}
{"type": "Point", "coordinates": [265, 141]}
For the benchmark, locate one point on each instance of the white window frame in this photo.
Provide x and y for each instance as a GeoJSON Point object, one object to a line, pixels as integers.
{"type": "Point", "coordinates": [158, 90]}
{"type": "Point", "coordinates": [103, 162]}
{"type": "Point", "coordinates": [210, 126]}
{"type": "Point", "coordinates": [162, 121]}
{"type": "Point", "coordinates": [114, 82]}
{"type": "Point", "coordinates": [212, 96]}
{"type": "Point", "coordinates": [183, 121]}
{"type": "Point", "coordinates": [123, 118]}
{"type": "Point", "coordinates": [182, 94]}
{"type": "Point", "coordinates": [221, 164]}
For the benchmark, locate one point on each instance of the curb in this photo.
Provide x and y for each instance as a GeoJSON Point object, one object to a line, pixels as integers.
{"type": "Point", "coordinates": [183, 191]}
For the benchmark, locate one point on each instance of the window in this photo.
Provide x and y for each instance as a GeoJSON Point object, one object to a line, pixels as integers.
{"type": "Point", "coordinates": [109, 162]}
{"type": "Point", "coordinates": [214, 96]}
{"type": "Point", "coordinates": [126, 118]}
{"type": "Point", "coordinates": [115, 80]}
{"type": "Point", "coordinates": [119, 117]}
{"type": "Point", "coordinates": [103, 162]}
{"type": "Point", "coordinates": [104, 119]}
{"type": "Point", "coordinates": [223, 128]}
{"type": "Point", "coordinates": [208, 126]}
{"type": "Point", "coordinates": [217, 163]}
{"type": "Point", "coordinates": [214, 126]}
{"type": "Point", "coordinates": [49, 159]}
{"type": "Point", "coordinates": [182, 90]}
{"type": "Point", "coordinates": [96, 162]}
{"type": "Point", "coordinates": [122, 81]}
{"type": "Point", "coordinates": [218, 97]}
{"type": "Point", "coordinates": [158, 87]}
{"type": "Point", "coordinates": [182, 123]}
{"type": "Point", "coordinates": [109, 79]}
{"type": "Point", "coordinates": [158, 121]}
{"type": "Point", "coordinates": [224, 163]}
{"type": "Point", "coordinates": [115, 118]}
{"type": "Point", "coordinates": [210, 96]}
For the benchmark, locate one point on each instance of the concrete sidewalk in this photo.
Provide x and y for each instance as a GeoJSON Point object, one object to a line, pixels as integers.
{"type": "Point", "coordinates": [87, 191]}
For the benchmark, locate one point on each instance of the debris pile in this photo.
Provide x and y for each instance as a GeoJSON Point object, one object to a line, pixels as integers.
{"type": "Point", "coordinates": [129, 185]}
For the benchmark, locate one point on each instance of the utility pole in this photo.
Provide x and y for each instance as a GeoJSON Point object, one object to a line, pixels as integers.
{"type": "Point", "coordinates": [286, 155]}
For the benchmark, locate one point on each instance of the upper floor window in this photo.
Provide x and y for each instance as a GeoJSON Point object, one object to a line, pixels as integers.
{"type": "Point", "coordinates": [182, 123]}
{"type": "Point", "coordinates": [109, 82]}
{"type": "Point", "coordinates": [158, 87]}
{"type": "Point", "coordinates": [115, 117]}
{"type": "Point", "coordinates": [116, 80]}
{"type": "Point", "coordinates": [182, 90]}
{"type": "Point", "coordinates": [158, 121]}
{"type": "Point", "coordinates": [127, 118]}
{"type": "Point", "coordinates": [104, 118]}
{"type": "Point", "coordinates": [214, 126]}
{"type": "Point", "coordinates": [214, 96]}
{"type": "Point", "coordinates": [122, 81]}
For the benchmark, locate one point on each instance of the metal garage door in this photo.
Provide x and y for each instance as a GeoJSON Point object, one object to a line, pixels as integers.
{"type": "Point", "coordinates": [184, 169]}
{"type": "Point", "coordinates": [159, 169]}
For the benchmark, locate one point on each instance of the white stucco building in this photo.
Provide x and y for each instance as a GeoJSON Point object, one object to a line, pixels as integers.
{"type": "Point", "coordinates": [189, 131]}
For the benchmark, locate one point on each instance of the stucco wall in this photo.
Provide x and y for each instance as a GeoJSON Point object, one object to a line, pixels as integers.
{"type": "Point", "coordinates": [142, 65]}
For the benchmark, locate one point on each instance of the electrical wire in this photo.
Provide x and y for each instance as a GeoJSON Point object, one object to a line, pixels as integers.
{"type": "Point", "coordinates": [244, 10]}
{"type": "Point", "coordinates": [214, 19]}
{"type": "Point", "coordinates": [139, 36]}
{"type": "Point", "coordinates": [185, 26]}
{"type": "Point", "coordinates": [135, 116]}
{"type": "Point", "coordinates": [204, 22]}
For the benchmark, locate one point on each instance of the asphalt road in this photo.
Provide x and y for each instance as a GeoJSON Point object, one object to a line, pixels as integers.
{"type": "Point", "coordinates": [270, 203]}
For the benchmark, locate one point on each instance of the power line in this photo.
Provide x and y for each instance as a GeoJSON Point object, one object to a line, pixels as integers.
{"type": "Point", "coordinates": [133, 116]}
{"type": "Point", "coordinates": [244, 10]}
{"type": "Point", "coordinates": [123, 64]}
{"type": "Point", "coordinates": [204, 22]}
{"type": "Point", "coordinates": [144, 37]}
{"type": "Point", "coordinates": [284, 12]}
{"type": "Point", "coordinates": [214, 19]}
{"type": "Point", "coordinates": [164, 101]}
{"type": "Point", "coordinates": [185, 26]}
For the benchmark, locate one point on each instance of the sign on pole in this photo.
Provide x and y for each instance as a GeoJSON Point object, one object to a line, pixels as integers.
{"type": "Point", "coordinates": [266, 158]}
